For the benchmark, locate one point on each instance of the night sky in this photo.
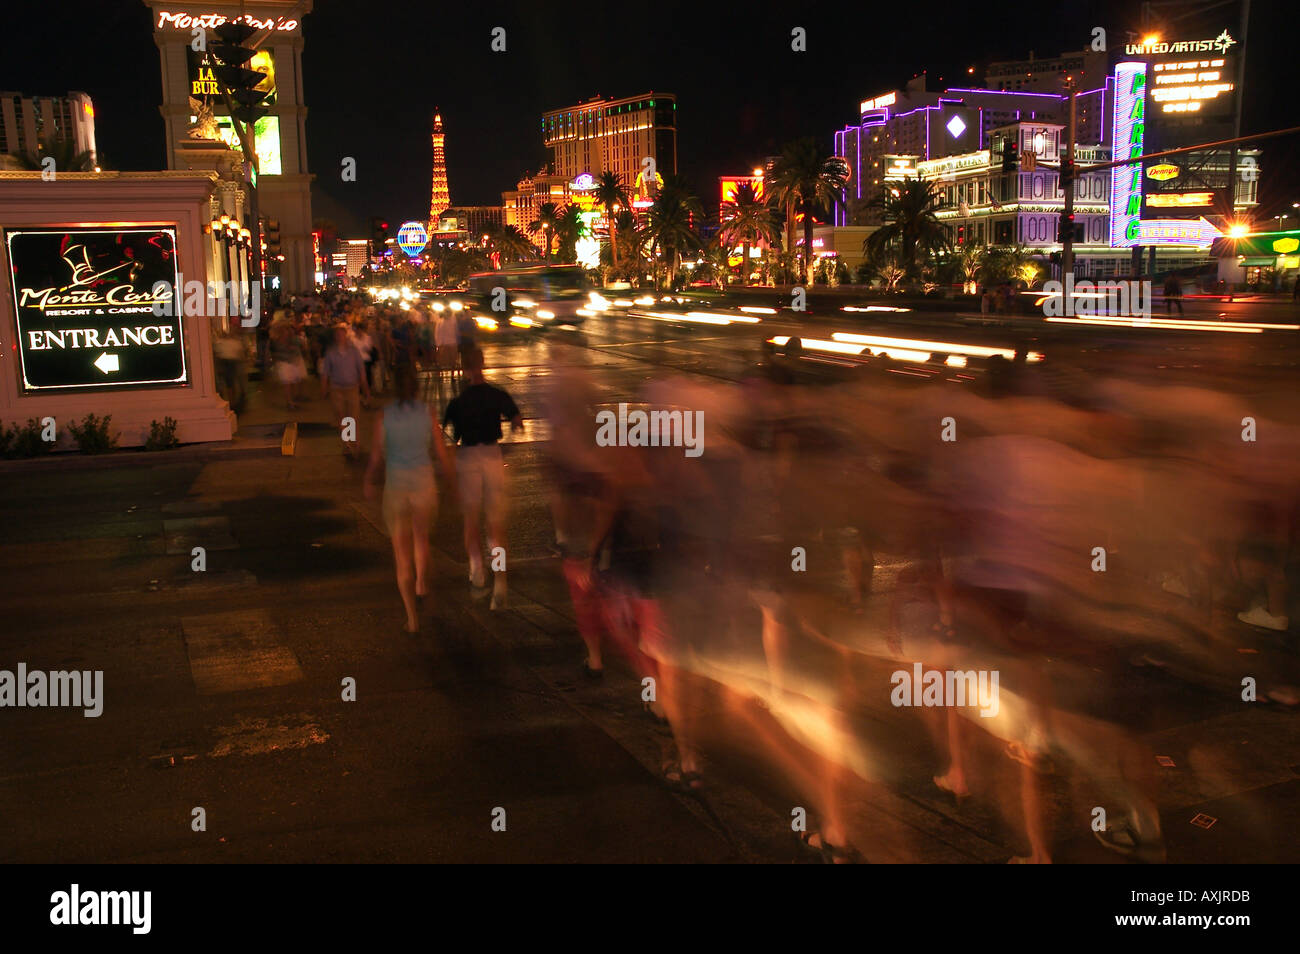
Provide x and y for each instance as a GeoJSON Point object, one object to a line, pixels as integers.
{"type": "Point", "coordinates": [374, 73]}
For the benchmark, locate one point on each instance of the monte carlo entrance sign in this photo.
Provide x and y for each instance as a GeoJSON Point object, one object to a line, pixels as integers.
{"type": "Point", "coordinates": [85, 306]}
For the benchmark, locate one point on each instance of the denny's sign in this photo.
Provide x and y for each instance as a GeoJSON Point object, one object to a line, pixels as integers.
{"type": "Point", "coordinates": [87, 303]}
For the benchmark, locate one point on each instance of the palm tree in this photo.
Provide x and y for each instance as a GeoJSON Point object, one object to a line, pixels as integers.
{"type": "Point", "coordinates": [631, 249]}
{"type": "Point", "coordinates": [1010, 262]}
{"type": "Point", "coordinates": [62, 151]}
{"type": "Point", "coordinates": [714, 264]}
{"type": "Point", "coordinates": [889, 267]}
{"type": "Point", "coordinates": [911, 226]}
{"type": "Point", "coordinates": [970, 258]}
{"type": "Point", "coordinates": [455, 264]}
{"type": "Point", "coordinates": [747, 220]}
{"type": "Point", "coordinates": [547, 221]}
{"type": "Point", "coordinates": [669, 225]}
{"type": "Point", "coordinates": [508, 244]}
{"type": "Point", "coordinates": [613, 195]}
{"type": "Point", "coordinates": [806, 179]}
{"type": "Point", "coordinates": [568, 229]}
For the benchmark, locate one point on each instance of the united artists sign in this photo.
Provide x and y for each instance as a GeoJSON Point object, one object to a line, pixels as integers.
{"type": "Point", "coordinates": [1219, 44]}
{"type": "Point", "coordinates": [87, 305]}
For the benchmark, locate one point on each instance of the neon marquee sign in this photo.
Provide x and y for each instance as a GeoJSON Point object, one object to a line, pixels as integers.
{"type": "Point", "coordinates": [207, 21]}
{"type": "Point", "coordinates": [1129, 130]}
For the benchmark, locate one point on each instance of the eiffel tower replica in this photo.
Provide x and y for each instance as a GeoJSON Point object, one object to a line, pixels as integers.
{"type": "Point", "coordinates": [440, 199]}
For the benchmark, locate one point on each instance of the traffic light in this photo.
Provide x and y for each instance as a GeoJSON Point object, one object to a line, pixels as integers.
{"type": "Point", "coordinates": [273, 237]}
{"type": "Point", "coordinates": [1010, 158]}
{"type": "Point", "coordinates": [1067, 171]}
{"type": "Point", "coordinates": [234, 76]}
{"type": "Point", "coordinates": [1065, 227]}
{"type": "Point", "coordinates": [1068, 226]}
{"type": "Point", "coordinates": [378, 235]}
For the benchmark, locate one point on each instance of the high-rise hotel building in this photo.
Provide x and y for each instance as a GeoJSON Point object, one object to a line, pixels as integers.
{"type": "Point", "coordinates": [29, 122]}
{"type": "Point", "coordinates": [604, 135]}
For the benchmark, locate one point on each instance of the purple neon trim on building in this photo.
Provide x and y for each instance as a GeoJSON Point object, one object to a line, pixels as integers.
{"type": "Point", "coordinates": [859, 161]}
{"type": "Point", "coordinates": [1004, 92]}
{"type": "Point", "coordinates": [910, 111]}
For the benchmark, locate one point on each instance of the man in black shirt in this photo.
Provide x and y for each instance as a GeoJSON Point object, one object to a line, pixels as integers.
{"type": "Point", "coordinates": [475, 416]}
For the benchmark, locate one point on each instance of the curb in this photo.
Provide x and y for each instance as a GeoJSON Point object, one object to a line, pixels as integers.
{"type": "Point", "coordinates": [72, 460]}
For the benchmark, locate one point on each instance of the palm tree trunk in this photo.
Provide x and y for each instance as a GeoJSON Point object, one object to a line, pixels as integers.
{"type": "Point", "coordinates": [789, 227]}
{"type": "Point", "coordinates": [613, 235]}
{"type": "Point", "coordinates": [744, 264]}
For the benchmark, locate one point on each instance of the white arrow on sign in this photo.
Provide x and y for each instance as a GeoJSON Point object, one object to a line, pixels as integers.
{"type": "Point", "coordinates": [106, 362]}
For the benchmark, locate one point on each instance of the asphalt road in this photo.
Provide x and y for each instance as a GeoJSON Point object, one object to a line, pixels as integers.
{"type": "Point", "coordinates": [224, 690]}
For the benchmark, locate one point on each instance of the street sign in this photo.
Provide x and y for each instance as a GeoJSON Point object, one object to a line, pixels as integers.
{"type": "Point", "coordinates": [1196, 232]}
{"type": "Point", "coordinates": [84, 303]}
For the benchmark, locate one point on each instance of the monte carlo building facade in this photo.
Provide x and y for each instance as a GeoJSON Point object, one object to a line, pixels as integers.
{"type": "Point", "coordinates": [283, 183]}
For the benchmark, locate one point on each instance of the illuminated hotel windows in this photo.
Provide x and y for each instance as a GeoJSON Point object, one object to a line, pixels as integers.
{"type": "Point", "coordinates": [613, 136]}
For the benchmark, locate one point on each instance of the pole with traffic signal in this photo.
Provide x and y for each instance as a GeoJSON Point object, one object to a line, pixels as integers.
{"type": "Point", "coordinates": [1067, 187]}
{"type": "Point", "coordinates": [244, 103]}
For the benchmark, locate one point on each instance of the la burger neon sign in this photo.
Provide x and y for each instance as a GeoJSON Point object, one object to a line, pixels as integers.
{"type": "Point", "coordinates": [206, 21]}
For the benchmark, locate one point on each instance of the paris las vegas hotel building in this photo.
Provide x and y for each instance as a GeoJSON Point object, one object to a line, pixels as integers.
{"type": "Point", "coordinates": [1170, 91]}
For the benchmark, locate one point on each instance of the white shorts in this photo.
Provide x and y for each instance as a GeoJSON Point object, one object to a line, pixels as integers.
{"type": "Point", "coordinates": [290, 372]}
{"type": "Point", "coordinates": [407, 492]}
{"type": "Point", "coordinates": [481, 473]}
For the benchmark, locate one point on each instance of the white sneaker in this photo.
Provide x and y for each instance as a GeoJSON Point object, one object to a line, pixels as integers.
{"type": "Point", "coordinates": [1258, 616]}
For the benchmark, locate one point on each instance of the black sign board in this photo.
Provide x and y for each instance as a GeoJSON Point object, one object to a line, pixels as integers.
{"type": "Point", "coordinates": [86, 303]}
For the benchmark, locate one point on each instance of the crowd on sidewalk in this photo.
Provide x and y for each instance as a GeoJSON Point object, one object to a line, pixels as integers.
{"type": "Point", "coordinates": [293, 342]}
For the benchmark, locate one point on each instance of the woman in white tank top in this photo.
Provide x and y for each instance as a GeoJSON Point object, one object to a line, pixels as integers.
{"type": "Point", "coordinates": [405, 431]}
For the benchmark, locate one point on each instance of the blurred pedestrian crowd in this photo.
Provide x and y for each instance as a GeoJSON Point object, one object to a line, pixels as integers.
{"type": "Point", "coordinates": [290, 346]}
{"type": "Point", "coordinates": [1075, 536]}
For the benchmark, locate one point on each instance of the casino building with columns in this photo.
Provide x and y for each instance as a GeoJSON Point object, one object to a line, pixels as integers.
{"type": "Point", "coordinates": [283, 184]}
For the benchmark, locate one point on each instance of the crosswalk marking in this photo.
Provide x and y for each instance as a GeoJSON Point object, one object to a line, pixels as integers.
{"type": "Point", "coordinates": [236, 651]}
